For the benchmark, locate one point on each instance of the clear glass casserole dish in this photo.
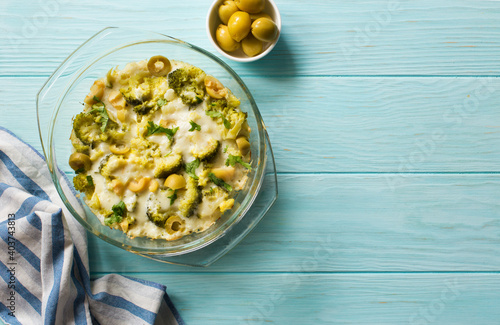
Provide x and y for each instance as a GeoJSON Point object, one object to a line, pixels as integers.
{"type": "Point", "coordinates": [60, 99]}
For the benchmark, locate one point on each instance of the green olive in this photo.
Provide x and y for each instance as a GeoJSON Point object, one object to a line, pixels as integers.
{"type": "Point", "coordinates": [174, 224]}
{"type": "Point", "coordinates": [225, 41]}
{"type": "Point", "coordinates": [251, 46]}
{"type": "Point", "coordinates": [239, 25]}
{"type": "Point", "coordinates": [159, 66]}
{"type": "Point", "coordinates": [79, 160]}
{"type": "Point", "coordinates": [256, 16]}
{"type": "Point", "coordinates": [251, 6]}
{"type": "Point", "coordinates": [264, 29]}
{"type": "Point", "coordinates": [226, 10]}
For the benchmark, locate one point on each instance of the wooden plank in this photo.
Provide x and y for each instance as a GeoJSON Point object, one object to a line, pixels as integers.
{"type": "Point", "coordinates": [352, 124]}
{"type": "Point", "coordinates": [303, 298]}
{"type": "Point", "coordinates": [323, 38]}
{"type": "Point", "coordinates": [324, 223]}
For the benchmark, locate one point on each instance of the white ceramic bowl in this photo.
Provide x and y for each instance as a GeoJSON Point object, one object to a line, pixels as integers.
{"type": "Point", "coordinates": [213, 22]}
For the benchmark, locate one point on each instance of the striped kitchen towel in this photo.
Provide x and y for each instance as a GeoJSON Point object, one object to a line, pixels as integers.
{"type": "Point", "coordinates": [44, 265]}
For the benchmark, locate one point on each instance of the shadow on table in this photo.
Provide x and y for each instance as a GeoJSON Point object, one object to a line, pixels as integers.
{"type": "Point", "coordinates": [280, 62]}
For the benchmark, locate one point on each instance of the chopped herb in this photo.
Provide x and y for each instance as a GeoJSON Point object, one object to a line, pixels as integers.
{"type": "Point", "coordinates": [225, 149]}
{"type": "Point", "coordinates": [119, 210]}
{"type": "Point", "coordinates": [79, 170]}
{"type": "Point", "coordinates": [173, 197]}
{"type": "Point", "coordinates": [161, 102]}
{"type": "Point", "coordinates": [191, 168]}
{"type": "Point", "coordinates": [154, 128]}
{"type": "Point", "coordinates": [219, 182]}
{"type": "Point", "coordinates": [232, 160]}
{"type": "Point", "coordinates": [90, 180]}
{"type": "Point", "coordinates": [215, 114]}
{"type": "Point", "coordinates": [194, 126]}
{"type": "Point", "coordinates": [100, 108]}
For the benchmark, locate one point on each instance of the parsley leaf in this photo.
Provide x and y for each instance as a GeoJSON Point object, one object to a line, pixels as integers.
{"type": "Point", "coordinates": [191, 168]}
{"type": "Point", "coordinates": [161, 102]}
{"type": "Point", "coordinates": [119, 210]}
{"type": "Point", "coordinates": [219, 182]}
{"type": "Point", "coordinates": [173, 197]}
{"type": "Point", "coordinates": [225, 149]}
{"type": "Point", "coordinates": [100, 108]}
{"type": "Point", "coordinates": [154, 128]}
{"type": "Point", "coordinates": [232, 160]}
{"type": "Point", "coordinates": [194, 126]}
{"type": "Point", "coordinates": [80, 170]}
{"type": "Point", "coordinates": [90, 180]}
{"type": "Point", "coordinates": [215, 114]}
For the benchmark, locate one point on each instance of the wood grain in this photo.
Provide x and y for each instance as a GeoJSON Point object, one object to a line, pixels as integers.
{"type": "Point", "coordinates": [355, 124]}
{"type": "Point", "coordinates": [325, 223]}
{"type": "Point", "coordinates": [303, 298]}
{"type": "Point", "coordinates": [383, 115]}
{"type": "Point", "coordinates": [327, 38]}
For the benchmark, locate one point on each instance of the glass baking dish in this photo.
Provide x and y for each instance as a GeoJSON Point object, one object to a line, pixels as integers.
{"type": "Point", "coordinates": [60, 99]}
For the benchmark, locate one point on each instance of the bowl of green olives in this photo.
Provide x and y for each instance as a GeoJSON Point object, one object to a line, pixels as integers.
{"type": "Point", "coordinates": [244, 30]}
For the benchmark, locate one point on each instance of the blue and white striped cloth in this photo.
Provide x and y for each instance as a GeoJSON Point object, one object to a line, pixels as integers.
{"type": "Point", "coordinates": [43, 257]}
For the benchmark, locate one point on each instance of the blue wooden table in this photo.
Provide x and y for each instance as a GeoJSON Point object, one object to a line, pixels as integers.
{"type": "Point", "coordinates": [385, 121]}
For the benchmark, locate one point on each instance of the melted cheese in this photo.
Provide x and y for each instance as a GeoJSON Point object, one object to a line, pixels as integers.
{"type": "Point", "coordinates": [145, 150]}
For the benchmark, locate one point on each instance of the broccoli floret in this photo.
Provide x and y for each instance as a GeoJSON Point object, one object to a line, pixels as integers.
{"type": "Point", "coordinates": [86, 128]}
{"type": "Point", "coordinates": [140, 97]}
{"type": "Point", "coordinates": [114, 131]}
{"type": "Point", "coordinates": [153, 213]}
{"type": "Point", "coordinates": [191, 198]}
{"type": "Point", "coordinates": [142, 144]}
{"type": "Point", "coordinates": [208, 152]}
{"type": "Point", "coordinates": [203, 177]}
{"type": "Point", "coordinates": [230, 115]}
{"type": "Point", "coordinates": [157, 218]}
{"type": "Point", "coordinates": [131, 96]}
{"type": "Point", "coordinates": [145, 108]}
{"type": "Point", "coordinates": [215, 200]}
{"type": "Point", "coordinates": [84, 184]}
{"type": "Point", "coordinates": [219, 105]}
{"type": "Point", "coordinates": [78, 144]}
{"type": "Point", "coordinates": [111, 164]}
{"type": "Point", "coordinates": [157, 86]}
{"type": "Point", "coordinates": [215, 194]}
{"type": "Point", "coordinates": [154, 210]}
{"type": "Point", "coordinates": [165, 166]}
{"type": "Point", "coordinates": [188, 84]}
